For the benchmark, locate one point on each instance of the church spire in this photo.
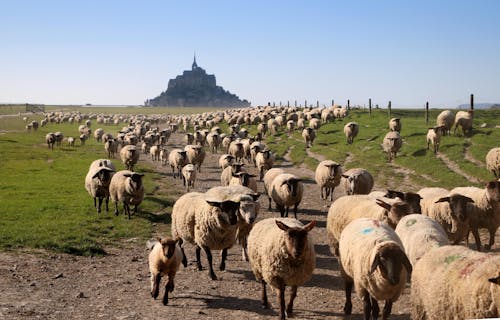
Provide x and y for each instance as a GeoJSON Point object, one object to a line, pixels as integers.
{"type": "Point", "coordinates": [194, 66]}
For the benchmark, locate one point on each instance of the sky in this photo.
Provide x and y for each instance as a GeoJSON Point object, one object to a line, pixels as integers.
{"type": "Point", "coordinates": [109, 52]}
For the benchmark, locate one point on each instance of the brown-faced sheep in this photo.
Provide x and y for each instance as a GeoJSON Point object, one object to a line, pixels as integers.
{"type": "Point", "coordinates": [357, 181]}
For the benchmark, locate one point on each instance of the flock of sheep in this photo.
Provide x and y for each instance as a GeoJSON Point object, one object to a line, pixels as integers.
{"type": "Point", "coordinates": [379, 238]}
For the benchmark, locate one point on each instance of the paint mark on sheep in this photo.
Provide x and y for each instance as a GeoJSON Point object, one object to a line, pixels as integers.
{"type": "Point", "coordinates": [367, 230]}
{"type": "Point", "coordinates": [452, 258]}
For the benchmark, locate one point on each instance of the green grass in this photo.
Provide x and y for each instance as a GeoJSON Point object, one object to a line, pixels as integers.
{"type": "Point", "coordinates": [43, 202]}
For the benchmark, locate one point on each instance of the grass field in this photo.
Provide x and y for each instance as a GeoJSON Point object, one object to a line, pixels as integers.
{"type": "Point", "coordinates": [43, 203]}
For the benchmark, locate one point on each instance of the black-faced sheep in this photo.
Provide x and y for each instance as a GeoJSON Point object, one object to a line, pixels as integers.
{"type": "Point", "coordinates": [129, 156]}
{"type": "Point", "coordinates": [286, 191]}
{"type": "Point", "coordinates": [98, 180]}
{"type": "Point", "coordinates": [328, 175]}
{"type": "Point", "coordinates": [177, 159]}
{"type": "Point", "coordinates": [351, 130]}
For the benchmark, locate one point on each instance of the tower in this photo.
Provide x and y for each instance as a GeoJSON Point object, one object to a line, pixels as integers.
{"type": "Point", "coordinates": [194, 66]}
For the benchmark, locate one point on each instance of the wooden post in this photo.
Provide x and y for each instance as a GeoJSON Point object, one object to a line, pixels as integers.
{"type": "Point", "coordinates": [370, 106]}
{"type": "Point", "coordinates": [389, 109]}
{"type": "Point", "coordinates": [305, 103]}
{"type": "Point", "coordinates": [348, 104]}
{"type": "Point", "coordinates": [332, 103]}
{"type": "Point", "coordinates": [317, 103]}
{"type": "Point", "coordinates": [280, 103]}
{"type": "Point", "coordinates": [274, 104]}
{"type": "Point", "coordinates": [427, 113]}
{"type": "Point", "coordinates": [288, 103]}
{"type": "Point", "coordinates": [295, 103]}
{"type": "Point", "coordinates": [471, 102]}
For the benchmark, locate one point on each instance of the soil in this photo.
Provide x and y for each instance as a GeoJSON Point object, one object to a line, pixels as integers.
{"type": "Point", "coordinates": [45, 285]}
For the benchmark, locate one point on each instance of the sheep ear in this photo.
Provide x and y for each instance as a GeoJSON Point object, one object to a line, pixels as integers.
{"type": "Point", "coordinates": [383, 204]}
{"type": "Point", "coordinates": [491, 185]}
{"type": "Point", "coordinates": [495, 280]}
{"type": "Point", "coordinates": [255, 196]}
{"type": "Point", "coordinates": [406, 263]}
{"type": "Point", "coordinates": [282, 226]}
{"type": "Point", "coordinates": [443, 199]}
{"type": "Point", "coordinates": [467, 199]}
{"type": "Point", "coordinates": [308, 227]}
{"type": "Point", "coordinates": [375, 263]}
{"type": "Point", "coordinates": [127, 175]}
{"type": "Point", "coordinates": [139, 174]}
{"type": "Point", "coordinates": [345, 176]}
{"type": "Point", "coordinates": [252, 175]}
{"type": "Point", "coordinates": [214, 203]}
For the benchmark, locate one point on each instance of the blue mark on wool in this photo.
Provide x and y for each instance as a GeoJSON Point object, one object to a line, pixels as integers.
{"type": "Point", "coordinates": [366, 230]}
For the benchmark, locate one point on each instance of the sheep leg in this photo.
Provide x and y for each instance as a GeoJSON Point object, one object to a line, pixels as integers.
{"type": "Point", "coordinates": [155, 285]}
{"type": "Point", "coordinates": [126, 208]}
{"type": "Point", "coordinates": [210, 266]}
{"type": "Point", "coordinates": [281, 297]}
{"type": "Point", "coordinates": [95, 203]}
{"type": "Point", "coordinates": [198, 258]}
{"type": "Point", "coordinates": [294, 210]}
{"type": "Point", "coordinates": [367, 305]}
{"type": "Point", "coordinates": [222, 266]}
{"type": "Point", "coordinates": [331, 194]}
{"type": "Point", "coordinates": [169, 287]}
{"type": "Point", "coordinates": [270, 201]}
{"type": "Point", "coordinates": [492, 238]}
{"type": "Point", "coordinates": [387, 309]}
{"type": "Point", "coordinates": [475, 233]}
{"type": "Point", "coordinates": [348, 284]}
{"type": "Point", "coordinates": [107, 204]}
{"type": "Point", "coordinates": [184, 259]}
{"type": "Point", "coordinates": [289, 307]}
{"type": "Point", "coordinates": [116, 208]}
{"type": "Point", "coordinates": [321, 194]}
{"type": "Point", "coordinates": [265, 303]}
{"type": "Point", "coordinates": [376, 309]}
{"type": "Point", "coordinates": [99, 204]}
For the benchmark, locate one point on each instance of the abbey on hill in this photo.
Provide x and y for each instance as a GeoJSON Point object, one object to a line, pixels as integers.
{"type": "Point", "coordinates": [195, 88]}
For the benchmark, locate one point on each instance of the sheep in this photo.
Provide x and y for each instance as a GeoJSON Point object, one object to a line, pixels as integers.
{"type": "Point", "coordinates": [225, 161]}
{"type": "Point", "coordinates": [71, 141]}
{"type": "Point", "coordinates": [449, 210]}
{"type": "Point", "coordinates": [188, 176]}
{"type": "Point", "coordinates": [308, 134]}
{"type": "Point", "coordinates": [286, 191]}
{"type": "Point", "coordinates": [228, 172]}
{"type": "Point", "coordinates": [272, 125]}
{"type": "Point", "coordinates": [189, 138]}
{"type": "Point", "coordinates": [268, 180]}
{"type": "Point", "coordinates": [111, 147]}
{"type": "Point", "coordinates": [129, 156]}
{"type": "Point", "coordinates": [391, 144]}
{"type": "Point", "coordinates": [163, 155]}
{"type": "Point", "coordinates": [493, 161]}
{"type": "Point", "coordinates": [213, 140]}
{"type": "Point", "coordinates": [314, 123]}
{"type": "Point", "coordinates": [262, 128]}
{"type": "Point", "coordinates": [208, 222]}
{"type": "Point", "coordinates": [434, 137]}
{"type": "Point", "coordinates": [454, 282]}
{"type": "Point", "coordinates": [247, 212]}
{"type": "Point", "coordinates": [236, 150]}
{"type": "Point", "coordinates": [327, 175]}
{"type": "Point", "coordinates": [372, 259]}
{"type": "Point", "coordinates": [59, 137]}
{"type": "Point", "coordinates": [485, 209]}
{"type": "Point", "coordinates": [83, 138]}
{"type": "Point", "coordinates": [419, 234]}
{"type": "Point", "coordinates": [347, 208]}
{"type": "Point", "coordinates": [154, 151]}
{"type": "Point", "coordinates": [195, 155]}
{"type": "Point", "coordinates": [255, 148]}
{"type": "Point", "coordinates": [281, 254]}
{"type": "Point", "coordinates": [412, 198]}
{"type": "Point", "coordinates": [177, 159]}
{"type": "Point", "coordinates": [97, 181]}
{"type": "Point", "coordinates": [395, 124]}
{"type": "Point", "coordinates": [357, 181]}
{"type": "Point", "coordinates": [351, 130]}
{"type": "Point", "coordinates": [290, 126]}
{"type": "Point", "coordinates": [50, 139]}
{"type": "Point", "coordinates": [264, 160]}
{"type": "Point", "coordinates": [445, 119]}
{"type": "Point", "coordinates": [226, 142]}
{"type": "Point", "coordinates": [126, 187]}
{"type": "Point", "coordinates": [244, 179]}
{"type": "Point", "coordinates": [164, 260]}
{"type": "Point", "coordinates": [98, 133]}
{"type": "Point", "coordinates": [465, 120]}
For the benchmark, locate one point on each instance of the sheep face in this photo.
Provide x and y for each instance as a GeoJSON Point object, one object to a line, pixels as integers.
{"type": "Point", "coordinates": [390, 261]}
{"type": "Point", "coordinates": [230, 208]}
{"type": "Point", "coordinates": [168, 246]}
{"type": "Point", "coordinates": [352, 182]}
{"type": "Point", "coordinates": [135, 180]}
{"type": "Point", "coordinates": [104, 175]}
{"type": "Point", "coordinates": [236, 167]}
{"type": "Point", "coordinates": [413, 199]}
{"type": "Point", "coordinates": [493, 191]}
{"type": "Point", "coordinates": [248, 211]}
{"type": "Point", "coordinates": [244, 178]}
{"type": "Point", "coordinates": [292, 185]}
{"type": "Point", "coordinates": [458, 207]}
{"type": "Point", "coordinates": [296, 238]}
{"type": "Point", "coordinates": [334, 170]}
{"type": "Point", "coordinates": [395, 211]}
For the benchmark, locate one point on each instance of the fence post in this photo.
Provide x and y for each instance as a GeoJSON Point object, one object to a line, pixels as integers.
{"type": "Point", "coordinates": [389, 109]}
{"type": "Point", "coordinates": [471, 102]}
{"type": "Point", "coordinates": [370, 106]}
{"type": "Point", "coordinates": [332, 103]}
{"type": "Point", "coordinates": [427, 113]}
{"type": "Point", "coordinates": [295, 103]}
{"type": "Point", "coordinates": [348, 104]}
{"type": "Point", "coordinates": [288, 103]}
{"type": "Point", "coordinates": [317, 103]}
{"type": "Point", "coordinates": [305, 103]}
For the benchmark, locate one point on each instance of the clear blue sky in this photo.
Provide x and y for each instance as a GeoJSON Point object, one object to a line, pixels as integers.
{"type": "Point", "coordinates": [123, 52]}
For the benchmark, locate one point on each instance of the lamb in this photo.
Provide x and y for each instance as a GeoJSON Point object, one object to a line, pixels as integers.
{"type": "Point", "coordinates": [244, 179]}
{"type": "Point", "coordinates": [228, 172]}
{"type": "Point", "coordinates": [164, 260]}
{"type": "Point", "coordinates": [97, 181]}
{"type": "Point", "coordinates": [111, 147]}
{"type": "Point", "coordinates": [454, 282]}
{"type": "Point", "coordinates": [449, 210]}
{"type": "Point", "coordinates": [445, 119]}
{"type": "Point", "coordinates": [154, 151]}
{"type": "Point", "coordinates": [286, 191]}
{"type": "Point", "coordinates": [208, 222]}
{"type": "Point", "coordinates": [327, 175]}
{"type": "Point", "coordinates": [493, 161]}
{"type": "Point", "coordinates": [225, 161]}
{"type": "Point", "coordinates": [464, 119]}
{"type": "Point", "coordinates": [255, 148]}
{"type": "Point", "coordinates": [50, 139]}
{"type": "Point", "coordinates": [351, 130]}
{"type": "Point", "coordinates": [129, 156]}
{"type": "Point", "coordinates": [71, 141]}
{"type": "Point", "coordinates": [373, 260]}
{"type": "Point", "coordinates": [177, 159]}
{"type": "Point", "coordinates": [281, 254]}
{"type": "Point", "coordinates": [434, 137]}
{"type": "Point", "coordinates": [188, 176]}
{"type": "Point", "coordinates": [309, 135]}
{"type": "Point", "coordinates": [163, 155]}
{"type": "Point", "coordinates": [214, 141]}
{"type": "Point", "coordinates": [357, 181]}
{"type": "Point", "coordinates": [126, 187]}
{"type": "Point", "coordinates": [268, 180]}
{"type": "Point", "coordinates": [485, 210]}
{"type": "Point", "coordinates": [347, 208]}
{"type": "Point", "coordinates": [264, 160]}
{"type": "Point", "coordinates": [395, 124]}
{"type": "Point", "coordinates": [391, 144]}
{"type": "Point", "coordinates": [419, 234]}
{"type": "Point", "coordinates": [195, 155]}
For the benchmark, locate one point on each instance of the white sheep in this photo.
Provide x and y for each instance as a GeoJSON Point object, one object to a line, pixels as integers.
{"type": "Point", "coordinates": [255, 148]}
{"type": "Point", "coordinates": [154, 151]}
{"type": "Point", "coordinates": [314, 123]}
{"type": "Point", "coordinates": [434, 137]}
{"type": "Point", "coordinates": [286, 190]}
{"type": "Point", "coordinates": [308, 134]}
{"type": "Point", "coordinates": [228, 172]}
{"type": "Point", "coordinates": [214, 141]}
{"type": "Point", "coordinates": [464, 119]}
{"type": "Point", "coordinates": [163, 155]}
{"type": "Point", "coordinates": [395, 124]}
{"type": "Point", "coordinates": [236, 150]}
{"type": "Point", "coordinates": [419, 234]}
{"type": "Point", "coordinates": [264, 160]}
{"type": "Point", "coordinates": [164, 260]}
{"type": "Point", "coordinates": [281, 254]}
{"type": "Point", "coordinates": [188, 176]}
{"type": "Point", "coordinates": [357, 181]}
{"type": "Point", "coordinates": [111, 147]}
{"type": "Point", "coordinates": [454, 282]}
{"type": "Point", "coordinates": [351, 130]}
{"type": "Point", "coordinates": [372, 259]}
{"type": "Point", "coordinates": [493, 161]}
{"type": "Point", "coordinates": [98, 133]}
{"type": "Point", "coordinates": [177, 159]}
{"type": "Point", "coordinates": [391, 144]}
{"type": "Point", "coordinates": [244, 179]}
{"type": "Point", "coordinates": [126, 187]}
{"type": "Point", "coordinates": [129, 156]}
{"type": "Point", "coordinates": [268, 180]}
{"type": "Point", "coordinates": [327, 175]}
{"type": "Point", "coordinates": [71, 141]}
{"type": "Point", "coordinates": [445, 119]}
{"type": "Point", "coordinates": [225, 161]}
{"type": "Point", "coordinates": [485, 210]}
{"type": "Point", "coordinates": [195, 155]}
{"type": "Point", "coordinates": [97, 181]}
{"type": "Point", "coordinates": [208, 222]}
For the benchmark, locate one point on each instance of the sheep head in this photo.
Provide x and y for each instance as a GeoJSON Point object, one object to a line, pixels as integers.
{"type": "Point", "coordinates": [390, 260]}
{"type": "Point", "coordinates": [334, 168]}
{"type": "Point", "coordinates": [244, 178]}
{"type": "Point", "coordinates": [292, 185]}
{"type": "Point", "coordinates": [493, 191]}
{"type": "Point", "coordinates": [228, 207]}
{"type": "Point", "coordinates": [168, 246]}
{"type": "Point", "coordinates": [249, 208]}
{"type": "Point", "coordinates": [458, 207]}
{"type": "Point", "coordinates": [104, 175]}
{"type": "Point", "coordinates": [395, 211]}
{"type": "Point", "coordinates": [413, 199]}
{"type": "Point", "coordinates": [135, 179]}
{"type": "Point", "coordinates": [296, 238]}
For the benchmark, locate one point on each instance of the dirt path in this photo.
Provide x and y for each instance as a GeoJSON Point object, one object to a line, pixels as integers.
{"type": "Point", "coordinates": [453, 166]}
{"type": "Point", "coordinates": [468, 155]}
